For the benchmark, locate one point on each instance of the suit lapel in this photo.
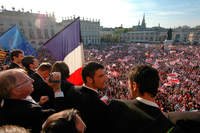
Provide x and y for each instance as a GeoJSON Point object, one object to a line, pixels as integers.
{"type": "Point", "coordinates": [91, 92]}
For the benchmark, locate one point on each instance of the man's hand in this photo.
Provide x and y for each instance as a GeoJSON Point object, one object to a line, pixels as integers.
{"type": "Point", "coordinates": [43, 99]}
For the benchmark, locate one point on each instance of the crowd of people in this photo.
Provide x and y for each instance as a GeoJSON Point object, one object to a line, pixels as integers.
{"type": "Point", "coordinates": [117, 91]}
{"type": "Point", "coordinates": [178, 68]}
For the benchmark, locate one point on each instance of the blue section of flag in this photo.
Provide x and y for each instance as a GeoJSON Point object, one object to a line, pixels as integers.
{"type": "Point", "coordinates": [14, 39]}
{"type": "Point", "coordinates": [65, 41]}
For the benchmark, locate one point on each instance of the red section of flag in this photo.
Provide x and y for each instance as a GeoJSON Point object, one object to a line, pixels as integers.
{"type": "Point", "coordinates": [76, 78]}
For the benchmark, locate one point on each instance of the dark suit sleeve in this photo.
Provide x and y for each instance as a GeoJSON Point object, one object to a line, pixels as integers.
{"type": "Point", "coordinates": [94, 112]}
{"type": "Point", "coordinates": [37, 116]}
{"type": "Point", "coordinates": [187, 121]}
{"type": "Point", "coordinates": [41, 88]}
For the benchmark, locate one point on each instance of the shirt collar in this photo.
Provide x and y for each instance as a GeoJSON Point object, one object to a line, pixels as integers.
{"type": "Point", "coordinates": [90, 88]}
{"type": "Point", "coordinates": [148, 102]}
{"type": "Point", "coordinates": [30, 99]}
{"type": "Point", "coordinates": [59, 94]}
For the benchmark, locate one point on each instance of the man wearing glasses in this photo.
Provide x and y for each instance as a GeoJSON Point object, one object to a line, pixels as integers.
{"type": "Point", "coordinates": [15, 87]}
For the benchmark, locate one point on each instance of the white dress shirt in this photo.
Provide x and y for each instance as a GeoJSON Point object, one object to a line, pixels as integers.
{"type": "Point", "coordinates": [148, 102]}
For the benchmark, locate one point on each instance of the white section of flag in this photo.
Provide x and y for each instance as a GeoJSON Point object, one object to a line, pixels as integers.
{"type": "Point", "coordinates": [75, 59]}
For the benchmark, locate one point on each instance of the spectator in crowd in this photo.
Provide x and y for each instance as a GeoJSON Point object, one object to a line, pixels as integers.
{"type": "Point", "coordinates": [16, 58]}
{"type": "Point", "coordinates": [141, 114]}
{"type": "Point", "coordinates": [94, 112]}
{"type": "Point", "coordinates": [30, 64]}
{"type": "Point", "coordinates": [15, 109]}
{"type": "Point", "coordinates": [13, 129]}
{"type": "Point", "coordinates": [181, 92]}
{"type": "Point", "coordinates": [41, 86]}
{"type": "Point", "coordinates": [62, 97]}
{"type": "Point", "coordinates": [66, 121]}
{"type": "Point", "coordinates": [62, 67]}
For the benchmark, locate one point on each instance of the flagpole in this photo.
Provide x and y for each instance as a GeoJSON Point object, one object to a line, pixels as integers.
{"type": "Point", "coordinates": [8, 30]}
{"type": "Point", "coordinates": [37, 50]}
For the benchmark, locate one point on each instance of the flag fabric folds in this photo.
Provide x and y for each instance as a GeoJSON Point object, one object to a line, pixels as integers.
{"type": "Point", "coordinates": [66, 46]}
{"type": "Point", "coordinates": [14, 39]}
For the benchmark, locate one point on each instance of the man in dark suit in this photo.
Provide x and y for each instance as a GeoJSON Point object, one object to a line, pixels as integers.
{"type": "Point", "coordinates": [94, 112]}
{"type": "Point", "coordinates": [15, 108]}
{"type": "Point", "coordinates": [41, 86]}
{"type": "Point", "coordinates": [141, 114]}
{"type": "Point", "coordinates": [16, 58]}
{"type": "Point", "coordinates": [62, 67]}
{"type": "Point", "coordinates": [61, 101]}
{"type": "Point", "coordinates": [189, 122]}
{"type": "Point", "coordinates": [30, 64]}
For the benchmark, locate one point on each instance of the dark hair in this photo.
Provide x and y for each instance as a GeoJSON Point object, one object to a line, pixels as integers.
{"type": "Point", "coordinates": [62, 67]}
{"type": "Point", "coordinates": [15, 53]}
{"type": "Point", "coordinates": [66, 122]}
{"type": "Point", "coordinates": [27, 60]}
{"type": "Point", "coordinates": [45, 66]}
{"type": "Point", "coordinates": [146, 77]}
{"type": "Point", "coordinates": [89, 70]}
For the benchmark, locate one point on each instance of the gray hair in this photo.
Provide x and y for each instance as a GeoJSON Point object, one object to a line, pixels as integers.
{"type": "Point", "coordinates": [13, 129]}
{"type": "Point", "coordinates": [7, 82]}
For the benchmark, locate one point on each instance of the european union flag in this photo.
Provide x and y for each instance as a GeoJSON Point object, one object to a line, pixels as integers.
{"type": "Point", "coordinates": [14, 39]}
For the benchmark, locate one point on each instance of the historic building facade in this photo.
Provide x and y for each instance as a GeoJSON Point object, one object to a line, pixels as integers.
{"type": "Point", "coordinates": [90, 30]}
{"type": "Point", "coordinates": [38, 28]}
{"type": "Point", "coordinates": [194, 36]}
{"type": "Point", "coordinates": [141, 33]}
{"type": "Point", "coordinates": [144, 36]}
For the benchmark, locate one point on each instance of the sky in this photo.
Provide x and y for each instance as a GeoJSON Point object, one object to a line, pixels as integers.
{"type": "Point", "coordinates": [114, 13]}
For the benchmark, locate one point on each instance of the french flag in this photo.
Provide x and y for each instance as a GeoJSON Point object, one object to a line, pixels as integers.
{"type": "Point", "coordinates": [66, 46]}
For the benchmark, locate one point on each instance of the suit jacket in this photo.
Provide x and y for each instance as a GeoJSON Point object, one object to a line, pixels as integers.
{"type": "Point", "coordinates": [62, 103]}
{"type": "Point", "coordinates": [23, 113]}
{"type": "Point", "coordinates": [41, 88]}
{"type": "Point", "coordinates": [65, 85]}
{"type": "Point", "coordinates": [94, 112]}
{"type": "Point", "coordinates": [134, 116]}
{"type": "Point", "coordinates": [30, 72]}
{"type": "Point", "coordinates": [187, 121]}
{"type": "Point", "coordinates": [13, 65]}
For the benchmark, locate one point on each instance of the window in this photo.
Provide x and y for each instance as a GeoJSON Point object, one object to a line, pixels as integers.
{"type": "Point", "coordinates": [29, 23]}
{"type": "Point", "coordinates": [39, 34]}
{"type": "Point", "coordinates": [20, 23]}
{"type": "Point", "coordinates": [31, 34]}
{"type": "Point", "coordinates": [52, 32]}
{"type": "Point", "coordinates": [46, 34]}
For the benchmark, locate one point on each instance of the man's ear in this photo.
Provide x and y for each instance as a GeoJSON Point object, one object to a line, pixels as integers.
{"type": "Point", "coordinates": [89, 79]}
{"type": "Point", "coordinates": [15, 92]}
{"type": "Point", "coordinates": [30, 66]}
{"type": "Point", "coordinates": [14, 57]}
{"type": "Point", "coordinates": [134, 86]}
{"type": "Point", "coordinates": [134, 90]}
